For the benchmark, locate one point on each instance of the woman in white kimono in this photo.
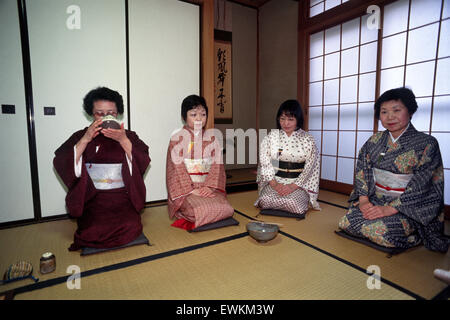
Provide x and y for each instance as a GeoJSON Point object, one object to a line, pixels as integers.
{"type": "Point", "coordinates": [289, 164]}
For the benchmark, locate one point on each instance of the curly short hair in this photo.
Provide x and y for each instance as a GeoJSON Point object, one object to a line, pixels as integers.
{"type": "Point", "coordinates": [405, 95]}
{"type": "Point", "coordinates": [291, 108]}
{"type": "Point", "coordinates": [102, 93]}
{"type": "Point", "coordinates": [190, 102]}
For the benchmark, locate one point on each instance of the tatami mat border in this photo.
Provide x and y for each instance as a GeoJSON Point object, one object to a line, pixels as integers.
{"type": "Point", "coordinates": [444, 294]}
{"type": "Point", "coordinates": [121, 265]}
{"type": "Point", "coordinates": [390, 283]}
{"type": "Point", "coordinates": [333, 204]}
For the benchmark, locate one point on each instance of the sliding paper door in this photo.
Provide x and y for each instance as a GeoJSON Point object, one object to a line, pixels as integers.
{"type": "Point", "coordinates": [75, 46]}
{"type": "Point", "coordinates": [15, 183]}
{"type": "Point", "coordinates": [164, 46]}
{"type": "Point", "coordinates": [349, 61]}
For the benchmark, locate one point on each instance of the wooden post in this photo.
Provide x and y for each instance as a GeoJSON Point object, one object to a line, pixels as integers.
{"type": "Point", "coordinates": [207, 57]}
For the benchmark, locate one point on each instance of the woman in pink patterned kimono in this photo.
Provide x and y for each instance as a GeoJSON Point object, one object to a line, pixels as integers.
{"type": "Point", "coordinates": [398, 195]}
{"type": "Point", "coordinates": [289, 164]}
{"type": "Point", "coordinates": [195, 174]}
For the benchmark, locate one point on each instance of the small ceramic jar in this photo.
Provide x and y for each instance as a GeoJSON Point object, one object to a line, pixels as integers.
{"type": "Point", "coordinates": [48, 263]}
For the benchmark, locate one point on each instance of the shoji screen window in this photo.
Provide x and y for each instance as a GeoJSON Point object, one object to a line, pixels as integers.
{"type": "Point", "coordinates": [319, 6]}
{"type": "Point", "coordinates": [416, 54]}
{"type": "Point", "coordinates": [342, 80]}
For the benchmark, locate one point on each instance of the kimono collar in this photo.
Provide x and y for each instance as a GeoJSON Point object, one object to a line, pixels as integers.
{"type": "Point", "coordinates": [192, 131]}
{"type": "Point", "coordinates": [294, 133]}
{"type": "Point", "coordinates": [394, 140]}
{"type": "Point", "coordinates": [406, 135]}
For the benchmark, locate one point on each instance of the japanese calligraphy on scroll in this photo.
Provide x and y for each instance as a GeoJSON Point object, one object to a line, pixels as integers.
{"type": "Point", "coordinates": [223, 112]}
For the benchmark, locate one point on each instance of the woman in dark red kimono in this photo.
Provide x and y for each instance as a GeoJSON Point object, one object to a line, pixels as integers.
{"type": "Point", "coordinates": [103, 170]}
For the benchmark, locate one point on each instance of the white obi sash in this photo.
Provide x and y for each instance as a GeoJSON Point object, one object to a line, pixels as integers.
{"type": "Point", "coordinates": [198, 169]}
{"type": "Point", "coordinates": [390, 184]}
{"type": "Point", "coordinates": [106, 176]}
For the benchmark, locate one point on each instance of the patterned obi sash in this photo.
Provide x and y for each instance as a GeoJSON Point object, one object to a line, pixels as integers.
{"type": "Point", "coordinates": [390, 184]}
{"type": "Point", "coordinates": [285, 169]}
{"type": "Point", "coordinates": [105, 176]}
{"type": "Point", "coordinates": [198, 169]}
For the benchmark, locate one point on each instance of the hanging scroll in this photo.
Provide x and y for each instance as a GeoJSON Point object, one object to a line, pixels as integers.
{"type": "Point", "coordinates": [223, 102]}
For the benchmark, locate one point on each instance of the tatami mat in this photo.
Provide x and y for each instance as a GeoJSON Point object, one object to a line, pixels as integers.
{"type": "Point", "coordinates": [412, 270]}
{"type": "Point", "coordinates": [306, 261]}
{"type": "Point", "coordinates": [237, 269]}
{"type": "Point", "coordinates": [339, 199]}
{"type": "Point", "coordinates": [30, 242]}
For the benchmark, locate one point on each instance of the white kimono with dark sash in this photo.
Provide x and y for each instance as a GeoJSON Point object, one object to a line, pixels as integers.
{"type": "Point", "coordinates": [299, 148]}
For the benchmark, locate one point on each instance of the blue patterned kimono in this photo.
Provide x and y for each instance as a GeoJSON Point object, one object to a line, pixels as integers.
{"type": "Point", "coordinates": [421, 205]}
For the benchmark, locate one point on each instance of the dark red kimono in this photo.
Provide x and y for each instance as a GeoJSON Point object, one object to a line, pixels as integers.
{"type": "Point", "coordinates": [106, 218]}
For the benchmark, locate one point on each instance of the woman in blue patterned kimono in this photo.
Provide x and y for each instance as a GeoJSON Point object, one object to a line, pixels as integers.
{"type": "Point", "coordinates": [397, 199]}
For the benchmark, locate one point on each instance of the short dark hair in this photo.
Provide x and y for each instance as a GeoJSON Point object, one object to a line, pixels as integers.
{"type": "Point", "coordinates": [405, 95]}
{"type": "Point", "coordinates": [291, 108]}
{"type": "Point", "coordinates": [190, 102]}
{"type": "Point", "coordinates": [102, 93]}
